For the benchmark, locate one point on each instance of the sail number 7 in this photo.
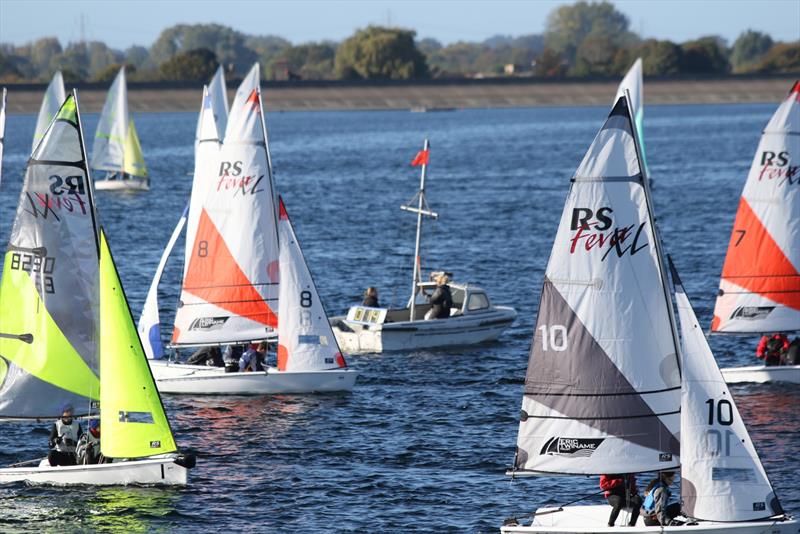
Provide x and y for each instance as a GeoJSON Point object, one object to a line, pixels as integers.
{"type": "Point", "coordinates": [554, 337]}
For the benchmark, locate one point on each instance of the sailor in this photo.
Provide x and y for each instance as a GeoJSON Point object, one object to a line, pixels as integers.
{"type": "Point", "coordinates": [231, 357]}
{"type": "Point", "coordinates": [64, 437]}
{"type": "Point", "coordinates": [210, 356]}
{"type": "Point", "coordinates": [441, 300]}
{"type": "Point", "coordinates": [371, 298]}
{"type": "Point", "coordinates": [792, 355]}
{"type": "Point", "coordinates": [772, 348]}
{"type": "Point", "coordinates": [657, 510]}
{"type": "Point", "coordinates": [88, 449]}
{"type": "Point", "coordinates": [253, 358]}
{"type": "Point", "coordinates": [621, 492]}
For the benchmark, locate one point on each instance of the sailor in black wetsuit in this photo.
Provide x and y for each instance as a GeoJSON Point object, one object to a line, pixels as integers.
{"type": "Point", "coordinates": [441, 300]}
{"type": "Point", "coordinates": [371, 298]}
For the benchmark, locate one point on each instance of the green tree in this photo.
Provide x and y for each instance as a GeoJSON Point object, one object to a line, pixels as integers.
{"type": "Point", "coordinates": [595, 57]}
{"type": "Point", "coordinates": [783, 57]}
{"type": "Point", "coordinates": [267, 48]}
{"type": "Point", "coordinates": [136, 56]}
{"type": "Point", "coordinates": [569, 26]}
{"type": "Point", "coordinates": [227, 44]}
{"type": "Point", "coordinates": [705, 55]}
{"type": "Point", "coordinates": [100, 57]}
{"type": "Point", "coordinates": [110, 72]}
{"type": "Point", "coordinates": [380, 53]}
{"type": "Point", "coordinates": [311, 61]}
{"type": "Point", "coordinates": [193, 66]}
{"type": "Point", "coordinates": [42, 53]}
{"type": "Point", "coordinates": [748, 49]}
{"type": "Point", "coordinates": [549, 64]}
{"type": "Point", "coordinates": [73, 63]}
{"type": "Point", "coordinates": [660, 58]}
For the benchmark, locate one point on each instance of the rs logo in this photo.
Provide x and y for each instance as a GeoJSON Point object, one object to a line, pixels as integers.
{"type": "Point", "coordinates": [67, 184]}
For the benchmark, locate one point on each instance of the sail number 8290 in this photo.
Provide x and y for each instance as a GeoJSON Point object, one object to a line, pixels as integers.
{"type": "Point", "coordinates": [41, 267]}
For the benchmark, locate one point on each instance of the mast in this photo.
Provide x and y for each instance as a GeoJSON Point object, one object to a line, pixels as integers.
{"type": "Point", "coordinates": [659, 251]}
{"type": "Point", "coordinates": [421, 209]}
{"type": "Point", "coordinates": [269, 162]}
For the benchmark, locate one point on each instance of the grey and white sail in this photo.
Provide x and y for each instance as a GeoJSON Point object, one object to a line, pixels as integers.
{"type": "Point", "coordinates": [602, 391]}
{"type": "Point", "coordinates": [218, 92]}
{"type": "Point", "coordinates": [53, 98]}
{"type": "Point", "coordinates": [722, 478]}
{"type": "Point", "coordinates": [49, 288]}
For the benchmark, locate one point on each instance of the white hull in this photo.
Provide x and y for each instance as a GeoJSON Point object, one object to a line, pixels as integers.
{"type": "Point", "coordinates": [594, 519]}
{"type": "Point", "coordinates": [203, 380]}
{"type": "Point", "coordinates": [460, 330]}
{"type": "Point", "coordinates": [761, 374]}
{"type": "Point", "coordinates": [128, 184]}
{"type": "Point", "coordinates": [156, 470]}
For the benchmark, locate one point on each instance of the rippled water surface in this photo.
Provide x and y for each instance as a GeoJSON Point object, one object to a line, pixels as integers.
{"type": "Point", "coordinates": [423, 441]}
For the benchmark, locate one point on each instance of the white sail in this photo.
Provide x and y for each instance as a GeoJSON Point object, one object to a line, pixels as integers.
{"type": "Point", "coordinates": [305, 339]}
{"type": "Point", "coordinates": [759, 290]}
{"type": "Point", "coordinates": [49, 287]}
{"type": "Point", "coordinates": [722, 478]}
{"type": "Point", "coordinates": [2, 132]}
{"type": "Point", "coordinates": [149, 326]}
{"type": "Point", "coordinates": [53, 98]}
{"type": "Point", "coordinates": [602, 391]}
{"type": "Point", "coordinates": [219, 97]}
{"type": "Point", "coordinates": [230, 288]}
{"type": "Point", "coordinates": [634, 85]}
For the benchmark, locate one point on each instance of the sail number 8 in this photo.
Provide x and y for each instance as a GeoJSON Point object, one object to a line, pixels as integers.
{"type": "Point", "coordinates": [554, 337]}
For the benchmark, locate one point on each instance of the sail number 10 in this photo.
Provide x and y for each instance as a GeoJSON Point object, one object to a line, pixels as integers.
{"type": "Point", "coordinates": [554, 337]}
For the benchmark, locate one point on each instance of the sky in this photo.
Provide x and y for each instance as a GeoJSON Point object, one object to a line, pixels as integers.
{"type": "Point", "coordinates": [122, 23]}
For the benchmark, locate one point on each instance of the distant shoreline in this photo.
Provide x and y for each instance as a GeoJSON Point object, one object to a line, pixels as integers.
{"type": "Point", "coordinates": [429, 95]}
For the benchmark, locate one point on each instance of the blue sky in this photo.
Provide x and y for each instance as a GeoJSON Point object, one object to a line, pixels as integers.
{"type": "Point", "coordinates": [121, 23]}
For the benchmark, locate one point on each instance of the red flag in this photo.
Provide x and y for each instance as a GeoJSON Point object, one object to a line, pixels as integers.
{"type": "Point", "coordinates": [421, 158]}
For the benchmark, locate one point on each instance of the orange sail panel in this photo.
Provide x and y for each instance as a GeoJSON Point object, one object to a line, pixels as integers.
{"type": "Point", "coordinates": [212, 264]}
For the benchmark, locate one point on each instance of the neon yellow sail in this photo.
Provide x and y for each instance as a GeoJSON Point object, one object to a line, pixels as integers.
{"type": "Point", "coordinates": [131, 414]}
{"type": "Point", "coordinates": [133, 160]}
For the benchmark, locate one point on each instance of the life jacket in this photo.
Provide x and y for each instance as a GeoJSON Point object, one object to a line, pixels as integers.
{"type": "Point", "coordinates": [67, 432]}
{"type": "Point", "coordinates": [649, 505]}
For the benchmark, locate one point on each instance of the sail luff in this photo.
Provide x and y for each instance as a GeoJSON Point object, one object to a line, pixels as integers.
{"type": "Point", "coordinates": [54, 96]}
{"type": "Point", "coordinates": [90, 182]}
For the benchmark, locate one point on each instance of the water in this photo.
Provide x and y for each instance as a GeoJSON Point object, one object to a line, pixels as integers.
{"type": "Point", "coordinates": [424, 439]}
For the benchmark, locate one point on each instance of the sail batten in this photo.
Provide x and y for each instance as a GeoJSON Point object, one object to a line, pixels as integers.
{"type": "Point", "coordinates": [759, 289]}
{"type": "Point", "coordinates": [602, 391]}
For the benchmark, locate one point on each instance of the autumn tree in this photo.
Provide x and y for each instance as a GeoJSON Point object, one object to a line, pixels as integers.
{"type": "Point", "coordinates": [380, 53]}
{"type": "Point", "coordinates": [748, 49]}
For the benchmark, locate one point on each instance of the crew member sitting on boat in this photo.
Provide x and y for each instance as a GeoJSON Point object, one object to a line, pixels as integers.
{"type": "Point", "coordinates": [253, 358]}
{"type": "Point", "coordinates": [64, 437]}
{"type": "Point", "coordinates": [621, 492]}
{"type": "Point", "coordinates": [88, 449]}
{"type": "Point", "coordinates": [772, 348]}
{"type": "Point", "coordinates": [231, 357]}
{"type": "Point", "coordinates": [657, 510]}
{"type": "Point", "coordinates": [441, 300]}
{"type": "Point", "coordinates": [792, 356]}
{"type": "Point", "coordinates": [371, 298]}
{"type": "Point", "coordinates": [210, 356]}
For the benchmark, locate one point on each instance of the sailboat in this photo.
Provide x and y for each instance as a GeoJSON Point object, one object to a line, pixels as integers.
{"type": "Point", "coordinates": [610, 387]}
{"type": "Point", "coordinates": [211, 123]}
{"type": "Point", "coordinates": [54, 96]}
{"type": "Point", "coordinates": [473, 318]}
{"type": "Point", "coordinates": [231, 292]}
{"type": "Point", "coordinates": [66, 331]}
{"type": "Point", "coordinates": [759, 290]}
{"type": "Point", "coordinates": [116, 145]}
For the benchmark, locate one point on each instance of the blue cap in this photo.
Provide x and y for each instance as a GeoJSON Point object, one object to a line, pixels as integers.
{"type": "Point", "coordinates": [94, 423]}
{"type": "Point", "coordinates": [67, 407]}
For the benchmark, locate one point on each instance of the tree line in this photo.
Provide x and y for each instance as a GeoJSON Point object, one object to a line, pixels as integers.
{"type": "Point", "coordinates": [581, 39]}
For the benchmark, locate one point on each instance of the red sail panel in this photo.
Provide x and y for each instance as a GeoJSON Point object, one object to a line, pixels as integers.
{"type": "Point", "coordinates": [214, 276]}
{"type": "Point", "coordinates": [756, 263]}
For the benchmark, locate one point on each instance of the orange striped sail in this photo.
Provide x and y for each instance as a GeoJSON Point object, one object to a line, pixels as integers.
{"type": "Point", "coordinates": [760, 285]}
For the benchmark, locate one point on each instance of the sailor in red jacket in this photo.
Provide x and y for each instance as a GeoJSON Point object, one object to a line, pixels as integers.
{"type": "Point", "coordinates": [621, 492]}
{"type": "Point", "coordinates": [771, 348]}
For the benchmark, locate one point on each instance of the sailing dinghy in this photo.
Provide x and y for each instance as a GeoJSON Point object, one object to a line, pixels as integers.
{"type": "Point", "coordinates": [473, 318]}
{"type": "Point", "coordinates": [759, 290]}
{"type": "Point", "coordinates": [67, 332]}
{"type": "Point", "coordinates": [54, 96]}
{"type": "Point", "coordinates": [231, 292]}
{"type": "Point", "coordinates": [116, 147]}
{"type": "Point", "coordinates": [610, 388]}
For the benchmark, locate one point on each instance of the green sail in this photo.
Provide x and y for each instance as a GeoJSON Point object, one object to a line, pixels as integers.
{"type": "Point", "coordinates": [132, 417]}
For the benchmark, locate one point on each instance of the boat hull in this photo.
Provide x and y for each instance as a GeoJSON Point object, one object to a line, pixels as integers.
{"type": "Point", "coordinates": [460, 330]}
{"type": "Point", "coordinates": [761, 374]}
{"type": "Point", "coordinates": [201, 380]}
{"type": "Point", "coordinates": [149, 471]}
{"type": "Point", "coordinates": [128, 184]}
{"type": "Point", "coordinates": [594, 519]}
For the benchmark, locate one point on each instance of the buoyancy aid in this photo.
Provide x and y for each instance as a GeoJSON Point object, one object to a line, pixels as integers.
{"type": "Point", "coordinates": [649, 505]}
{"type": "Point", "coordinates": [67, 432]}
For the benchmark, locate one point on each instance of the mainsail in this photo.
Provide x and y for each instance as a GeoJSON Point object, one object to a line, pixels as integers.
{"type": "Point", "coordinates": [633, 84]}
{"type": "Point", "coordinates": [230, 287]}
{"type": "Point", "coordinates": [219, 97]}
{"type": "Point", "coordinates": [54, 96]}
{"type": "Point", "coordinates": [759, 291]}
{"type": "Point", "coordinates": [116, 144]}
{"type": "Point", "coordinates": [305, 339]}
{"type": "Point", "coordinates": [722, 478]}
{"type": "Point", "coordinates": [132, 416]}
{"type": "Point", "coordinates": [49, 287]}
{"type": "Point", "coordinates": [602, 391]}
